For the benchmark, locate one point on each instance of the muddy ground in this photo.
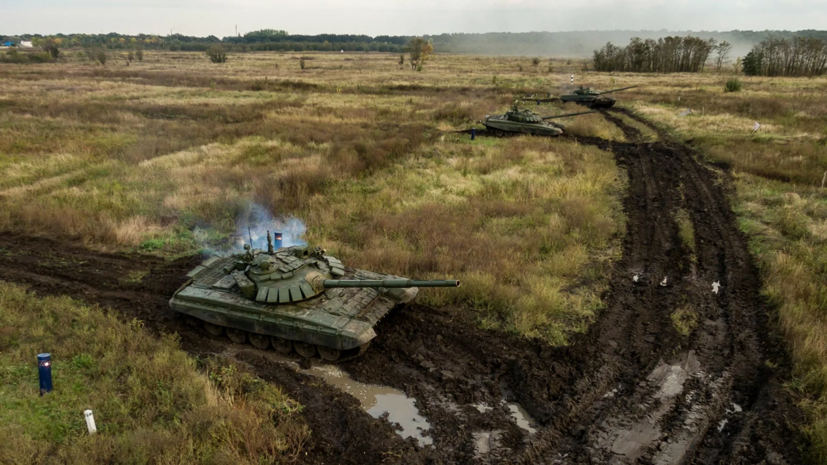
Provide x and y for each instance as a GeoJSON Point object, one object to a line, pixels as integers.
{"type": "Point", "coordinates": [631, 390]}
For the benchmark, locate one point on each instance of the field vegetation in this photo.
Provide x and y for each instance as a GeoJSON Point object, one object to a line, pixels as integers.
{"type": "Point", "coordinates": [358, 147]}
{"type": "Point", "coordinates": [150, 401]}
{"type": "Point", "coordinates": [364, 152]}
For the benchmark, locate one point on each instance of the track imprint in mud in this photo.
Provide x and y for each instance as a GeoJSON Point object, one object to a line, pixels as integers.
{"type": "Point", "coordinates": [631, 390]}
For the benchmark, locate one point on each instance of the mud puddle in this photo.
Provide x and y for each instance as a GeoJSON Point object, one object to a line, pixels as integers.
{"type": "Point", "coordinates": [378, 401]}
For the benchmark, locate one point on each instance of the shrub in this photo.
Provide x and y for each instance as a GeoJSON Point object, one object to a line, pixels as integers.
{"type": "Point", "coordinates": [217, 54]}
{"type": "Point", "coordinates": [44, 57]}
{"type": "Point", "coordinates": [535, 61]}
{"type": "Point", "coordinates": [302, 64]}
{"type": "Point", "coordinates": [733, 85]}
{"type": "Point", "coordinates": [130, 56]}
{"type": "Point", "coordinates": [401, 59]}
{"type": "Point", "coordinates": [139, 54]}
{"type": "Point", "coordinates": [13, 56]}
{"type": "Point", "coordinates": [550, 68]}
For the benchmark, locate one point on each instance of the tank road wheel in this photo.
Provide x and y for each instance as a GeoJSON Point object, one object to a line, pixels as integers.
{"type": "Point", "coordinates": [192, 321]}
{"type": "Point", "coordinates": [304, 349]}
{"type": "Point", "coordinates": [329, 354]}
{"type": "Point", "coordinates": [236, 335]}
{"type": "Point", "coordinates": [282, 346]}
{"type": "Point", "coordinates": [499, 133]}
{"type": "Point", "coordinates": [213, 330]}
{"type": "Point", "coordinates": [260, 341]}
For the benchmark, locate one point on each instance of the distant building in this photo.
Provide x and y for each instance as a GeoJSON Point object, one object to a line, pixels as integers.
{"type": "Point", "coordinates": [26, 44]}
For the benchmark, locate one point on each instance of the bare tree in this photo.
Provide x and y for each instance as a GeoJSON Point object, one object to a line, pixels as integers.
{"type": "Point", "coordinates": [723, 50]}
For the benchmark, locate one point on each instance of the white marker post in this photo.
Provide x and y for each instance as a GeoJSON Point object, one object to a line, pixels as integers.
{"type": "Point", "coordinates": [715, 286]}
{"type": "Point", "coordinates": [755, 128]}
{"type": "Point", "coordinates": [572, 79]}
{"type": "Point", "coordinates": [90, 421]}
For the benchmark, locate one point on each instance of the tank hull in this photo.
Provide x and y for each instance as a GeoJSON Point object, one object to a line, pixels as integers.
{"type": "Point", "coordinates": [340, 319]}
{"type": "Point", "coordinates": [495, 123]}
{"type": "Point", "coordinates": [589, 101]}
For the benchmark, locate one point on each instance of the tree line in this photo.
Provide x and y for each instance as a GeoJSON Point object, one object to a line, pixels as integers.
{"type": "Point", "coordinates": [666, 55]}
{"type": "Point", "coordinates": [262, 40]}
{"type": "Point", "coordinates": [792, 56]}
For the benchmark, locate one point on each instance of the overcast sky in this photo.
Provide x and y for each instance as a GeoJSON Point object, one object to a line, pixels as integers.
{"type": "Point", "coordinates": [394, 17]}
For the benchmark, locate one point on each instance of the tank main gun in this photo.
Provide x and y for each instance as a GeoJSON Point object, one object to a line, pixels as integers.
{"type": "Point", "coordinates": [616, 90]}
{"type": "Point", "coordinates": [567, 115]}
{"type": "Point", "coordinates": [388, 283]}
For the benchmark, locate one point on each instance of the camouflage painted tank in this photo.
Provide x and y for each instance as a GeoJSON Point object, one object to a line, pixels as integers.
{"type": "Point", "coordinates": [591, 98]}
{"type": "Point", "coordinates": [293, 298]}
{"type": "Point", "coordinates": [522, 121]}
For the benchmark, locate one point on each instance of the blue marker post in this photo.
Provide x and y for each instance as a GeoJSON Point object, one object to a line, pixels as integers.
{"type": "Point", "coordinates": [44, 365]}
{"type": "Point", "coordinates": [473, 133]}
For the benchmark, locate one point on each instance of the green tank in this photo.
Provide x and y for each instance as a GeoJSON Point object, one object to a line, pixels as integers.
{"type": "Point", "coordinates": [522, 121]}
{"type": "Point", "coordinates": [293, 298]}
{"type": "Point", "coordinates": [591, 98]}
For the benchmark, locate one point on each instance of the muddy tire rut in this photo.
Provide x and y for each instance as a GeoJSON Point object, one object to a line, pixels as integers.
{"type": "Point", "coordinates": [630, 390]}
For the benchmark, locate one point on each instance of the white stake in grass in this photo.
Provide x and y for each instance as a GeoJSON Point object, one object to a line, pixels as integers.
{"type": "Point", "coordinates": [90, 421]}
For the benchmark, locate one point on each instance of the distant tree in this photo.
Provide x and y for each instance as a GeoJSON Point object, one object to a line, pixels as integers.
{"type": "Point", "coordinates": [50, 46]}
{"type": "Point", "coordinates": [752, 63]}
{"type": "Point", "coordinates": [217, 54]}
{"type": "Point", "coordinates": [666, 55]}
{"type": "Point", "coordinates": [101, 57]}
{"type": "Point", "coordinates": [723, 50]}
{"type": "Point", "coordinates": [419, 50]}
{"type": "Point", "coordinates": [130, 56]}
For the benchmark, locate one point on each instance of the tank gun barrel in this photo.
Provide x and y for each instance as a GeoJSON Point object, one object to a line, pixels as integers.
{"type": "Point", "coordinates": [568, 114]}
{"type": "Point", "coordinates": [618, 90]}
{"type": "Point", "coordinates": [388, 283]}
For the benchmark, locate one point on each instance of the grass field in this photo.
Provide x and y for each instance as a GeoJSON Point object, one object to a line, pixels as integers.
{"type": "Point", "coordinates": [362, 150]}
{"type": "Point", "coordinates": [151, 403]}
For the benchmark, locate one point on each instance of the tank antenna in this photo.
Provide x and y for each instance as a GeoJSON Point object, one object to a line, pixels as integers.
{"type": "Point", "coordinates": [269, 243]}
{"type": "Point", "coordinates": [251, 237]}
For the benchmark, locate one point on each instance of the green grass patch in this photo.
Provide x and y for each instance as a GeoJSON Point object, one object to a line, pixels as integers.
{"type": "Point", "coordinates": [151, 403]}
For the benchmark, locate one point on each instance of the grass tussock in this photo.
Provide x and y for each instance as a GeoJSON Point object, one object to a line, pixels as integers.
{"type": "Point", "coordinates": [685, 320]}
{"type": "Point", "coordinates": [151, 403]}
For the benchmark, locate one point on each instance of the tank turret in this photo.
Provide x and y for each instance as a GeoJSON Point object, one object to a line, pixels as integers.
{"type": "Point", "coordinates": [293, 298]}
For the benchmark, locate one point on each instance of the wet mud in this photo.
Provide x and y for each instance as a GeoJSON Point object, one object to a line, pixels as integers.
{"type": "Point", "coordinates": [631, 390]}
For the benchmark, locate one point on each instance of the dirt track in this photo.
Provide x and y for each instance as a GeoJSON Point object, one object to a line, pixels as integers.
{"type": "Point", "coordinates": [631, 390]}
